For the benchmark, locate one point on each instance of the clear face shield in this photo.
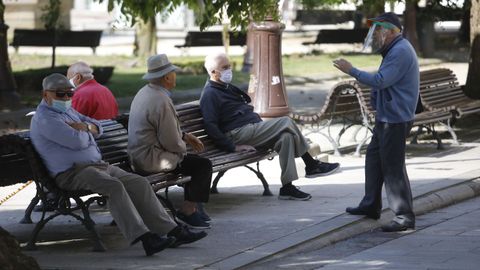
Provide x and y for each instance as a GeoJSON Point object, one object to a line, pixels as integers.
{"type": "Point", "coordinates": [368, 39]}
{"type": "Point", "coordinates": [375, 39]}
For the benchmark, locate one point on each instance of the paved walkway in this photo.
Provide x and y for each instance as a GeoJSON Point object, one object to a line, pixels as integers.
{"type": "Point", "coordinates": [248, 227]}
{"type": "Point", "coordinates": [447, 238]}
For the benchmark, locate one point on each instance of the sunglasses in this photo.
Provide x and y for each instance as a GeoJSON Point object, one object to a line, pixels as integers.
{"type": "Point", "coordinates": [61, 94]}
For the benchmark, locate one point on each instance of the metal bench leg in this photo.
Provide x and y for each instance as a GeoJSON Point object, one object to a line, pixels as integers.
{"type": "Point", "coordinates": [439, 141]}
{"type": "Point", "coordinates": [166, 201]}
{"type": "Point", "coordinates": [359, 146]}
{"type": "Point", "coordinates": [266, 189]}
{"type": "Point", "coordinates": [451, 131]}
{"type": "Point", "coordinates": [27, 218]}
{"type": "Point", "coordinates": [415, 137]}
{"type": "Point", "coordinates": [355, 133]}
{"type": "Point", "coordinates": [336, 152]}
{"type": "Point", "coordinates": [87, 221]}
{"type": "Point", "coordinates": [213, 189]}
{"type": "Point", "coordinates": [33, 238]}
{"type": "Point", "coordinates": [339, 135]}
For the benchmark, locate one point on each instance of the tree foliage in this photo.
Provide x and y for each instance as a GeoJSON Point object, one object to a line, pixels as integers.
{"type": "Point", "coordinates": [239, 12]}
{"type": "Point", "coordinates": [51, 14]}
{"type": "Point", "coordinates": [146, 9]}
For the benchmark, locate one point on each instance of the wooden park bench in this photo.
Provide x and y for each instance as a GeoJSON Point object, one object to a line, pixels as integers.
{"type": "Point", "coordinates": [20, 162]}
{"type": "Point", "coordinates": [348, 103]}
{"type": "Point", "coordinates": [211, 38]}
{"type": "Point", "coordinates": [321, 16]}
{"type": "Point", "coordinates": [64, 38]}
{"type": "Point", "coordinates": [440, 90]}
{"type": "Point", "coordinates": [191, 121]}
{"type": "Point", "coordinates": [326, 36]}
{"type": "Point", "coordinates": [341, 106]}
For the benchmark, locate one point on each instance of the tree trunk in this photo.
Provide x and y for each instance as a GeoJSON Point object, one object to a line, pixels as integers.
{"type": "Point", "coordinates": [226, 37]}
{"type": "Point", "coordinates": [248, 55]}
{"type": "Point", "coordinates": [145, 38]}
{"type": "Point", "coordinates": [8, 96]}
{"type": "Point", "coordinates": [54, 46]}
{"type": "Point", "coordinates": [464, 35]}
{"type": "Point", "coordinates": [426, 29]}
{"type": "Point", "coordinates": [11, 256]}
{"type": "Point", "coordinates": [474, 19]}
{"type": "Point", "coordinates": [410, 24]}
{"type": "Point", "coordinates": [472, 87]}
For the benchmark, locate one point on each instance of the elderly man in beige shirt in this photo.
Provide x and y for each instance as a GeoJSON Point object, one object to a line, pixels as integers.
{"type": "Point", "coordinates": [157, 144]}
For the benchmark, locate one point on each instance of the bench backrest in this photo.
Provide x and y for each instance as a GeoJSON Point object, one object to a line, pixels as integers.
{"type": "Point", "coordinates": [340, 102]}
{"type": "Point", "coordinates": [113, 146]}
{"type": "Point", "coordinates": [14, 163]}
{"type": "Point", "coordinates": [36, 37]}
{"type": "Point", "coordinates": [351, 99]}
{"type": "Point", "coordinates": [324, 16]}
{"type": "Point", "coordinates": [341, 35]}
{"type": "Point", "coordinates": [197, 38]}
{"type": "Point", "coordinates": [439, 89]}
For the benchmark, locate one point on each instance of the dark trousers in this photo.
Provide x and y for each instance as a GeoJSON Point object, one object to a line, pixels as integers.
{"type": "Point", "coordinates": [200, 170]}
{"type": "Point", "coordinates": [385, 163]}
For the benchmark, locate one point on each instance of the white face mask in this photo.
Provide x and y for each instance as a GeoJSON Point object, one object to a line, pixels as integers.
{"type": "Point", "coordinates": [71, 82]}
{"type": "Point", "coordinates": [226, 75]}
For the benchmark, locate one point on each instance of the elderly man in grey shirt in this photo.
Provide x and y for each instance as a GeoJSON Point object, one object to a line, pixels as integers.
{"type": "Point", "coordinates": [65, 140]}
{"type": "Point", "coordinates": [157, 144]}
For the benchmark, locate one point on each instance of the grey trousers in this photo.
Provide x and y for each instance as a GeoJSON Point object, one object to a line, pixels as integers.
{"type": "Point", "coordinates": [385, 163]}
{"type": "Point", "coordinates": [282, 135]}
{"type": "Point", "coordinates": [131, 199]}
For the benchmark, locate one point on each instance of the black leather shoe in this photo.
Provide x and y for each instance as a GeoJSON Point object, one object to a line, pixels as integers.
{"type": "Point", "coordinates": [362, 212]}
{"type": "Point", "coordinates": [153, 243]}
{"type": "Point", "coordinates": [397, 227]}
{"type": "Point", "coordinates": [183, 236]}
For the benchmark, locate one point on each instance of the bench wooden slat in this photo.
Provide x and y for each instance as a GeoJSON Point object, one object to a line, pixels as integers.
{"type": "Point", "coordinates": [439, 89]}
{"type": "Point", "coordinates": [212, 38]}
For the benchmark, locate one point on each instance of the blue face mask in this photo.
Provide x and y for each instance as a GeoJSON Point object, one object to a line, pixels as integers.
{"type": "Point", "coordinates": [62, 105]}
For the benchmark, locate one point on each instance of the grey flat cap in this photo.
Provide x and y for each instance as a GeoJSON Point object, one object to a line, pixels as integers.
{"type": "Point", "coordinates": [56, 82]}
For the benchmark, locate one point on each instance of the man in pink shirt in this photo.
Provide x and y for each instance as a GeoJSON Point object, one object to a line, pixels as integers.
{"type": "Point", "coordinates": [91, 98]}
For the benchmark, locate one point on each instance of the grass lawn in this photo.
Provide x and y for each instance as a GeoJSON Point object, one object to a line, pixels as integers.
{"type": "Point", "coordinates": [127, 77]}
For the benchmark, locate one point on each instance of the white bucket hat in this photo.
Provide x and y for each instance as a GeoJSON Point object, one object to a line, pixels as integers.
{"type": "Point", "coordinates": [158, 66]}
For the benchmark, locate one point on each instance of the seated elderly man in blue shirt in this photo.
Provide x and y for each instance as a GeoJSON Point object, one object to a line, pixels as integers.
{"type": "Point", "coordinates": [230, 121]}
{"type": "Point", "coordinates": [65, 140]}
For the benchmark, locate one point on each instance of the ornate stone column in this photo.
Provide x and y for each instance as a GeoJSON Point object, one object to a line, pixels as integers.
{"type": "Point", "coordinates": [267, 88]}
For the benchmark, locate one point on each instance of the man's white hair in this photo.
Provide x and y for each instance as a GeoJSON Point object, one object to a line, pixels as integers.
{"type": "Point", "coordinates": [81, 68]}
{"type": "Point", "coordinates": [211, 61]}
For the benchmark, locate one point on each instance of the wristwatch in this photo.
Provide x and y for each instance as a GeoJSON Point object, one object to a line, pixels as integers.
{"type": "Point", "coordinates": [89, 127]}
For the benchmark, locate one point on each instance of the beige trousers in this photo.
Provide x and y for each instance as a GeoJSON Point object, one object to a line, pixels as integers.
{"type": "Point", "coordinates": [280, 134]}
{"type": "Point", "coordinates": [131, 199]}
